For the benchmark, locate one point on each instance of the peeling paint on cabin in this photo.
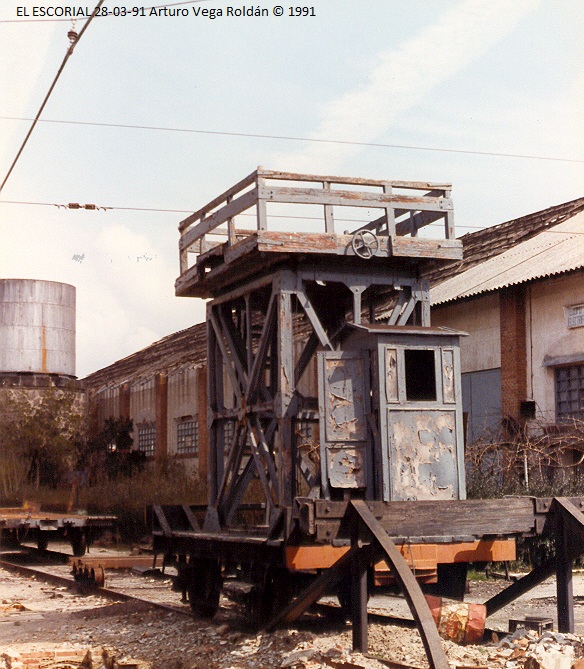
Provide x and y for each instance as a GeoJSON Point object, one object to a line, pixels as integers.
{"type": "Point", "coordinates": [423, 443]}
{"type": "Point", "coordinates": [347, 467]}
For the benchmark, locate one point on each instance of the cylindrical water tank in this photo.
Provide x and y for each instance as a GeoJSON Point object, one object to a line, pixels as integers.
{"type": "Point", "coordinates": [37, 327]}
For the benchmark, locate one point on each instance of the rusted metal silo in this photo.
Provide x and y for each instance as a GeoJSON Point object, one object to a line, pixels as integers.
{"type": "Point", "coordinates": [37, 327]}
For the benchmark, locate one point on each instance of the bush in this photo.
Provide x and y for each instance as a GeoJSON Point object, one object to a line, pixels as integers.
{"type": "Point", "coordinates": [163, 482]}
{"type": "Point", "coordinates": [542, 461]}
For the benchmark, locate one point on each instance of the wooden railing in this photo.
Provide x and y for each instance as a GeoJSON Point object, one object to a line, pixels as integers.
{"type": "Point", "coordinates": [403, 214]}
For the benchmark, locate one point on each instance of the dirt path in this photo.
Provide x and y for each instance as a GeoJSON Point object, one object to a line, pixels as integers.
{"type": "Point", "coordinates": [35, 615]}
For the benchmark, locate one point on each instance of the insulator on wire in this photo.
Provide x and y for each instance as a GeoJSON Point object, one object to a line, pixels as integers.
{"type": "Point", "coordinates": [72, 35]}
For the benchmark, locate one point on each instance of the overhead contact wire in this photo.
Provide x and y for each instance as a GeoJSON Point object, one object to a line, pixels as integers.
{"type": "Point", "coordinates": [409, 147]}
{"type": "Point", "coordinates": [48, 95]}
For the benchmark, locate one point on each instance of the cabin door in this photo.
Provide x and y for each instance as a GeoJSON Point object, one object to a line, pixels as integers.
{"type": "Point", "coordinates": [344, 404]}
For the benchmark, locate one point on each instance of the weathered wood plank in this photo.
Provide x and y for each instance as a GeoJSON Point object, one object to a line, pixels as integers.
{"type": "Point", "coordinates": [444, 517]}
{"type": "Point", "coordinates": [185, 281]}
{"type": "Point", "coordinates": [520, 587]}
{"type": "Point", "coordinates": [318, 244]}
{"type": "Point", "coordinates": [418, 247]}
{"type": "Point", "coordinates": [230, 210]}
{"type": "Point", "coordinates": [215, 202]}
{"type": "Point", "coordinates": [293, 176]}
{"type": "Point", "coordinates": [419, 220]}
{"type": "Point", "coordinates": [352, 198]}
{"type": "Point", "coordinates": [297, 242]}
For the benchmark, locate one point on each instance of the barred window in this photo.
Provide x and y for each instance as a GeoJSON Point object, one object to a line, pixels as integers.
{"type": "Point", "coordinates": [228, 432]}
{"type": "Point", "coordinates": [147, 438]}
{"type": "Point", "coordinates": [570, 392]}
{"type": "Point", "coordinates": [187, 436]}
{"type": "Point", "coordinates": [307, 432]}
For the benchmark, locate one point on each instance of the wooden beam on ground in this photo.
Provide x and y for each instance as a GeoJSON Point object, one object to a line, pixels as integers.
{"type": "Point", "coordinates": [114, 561]}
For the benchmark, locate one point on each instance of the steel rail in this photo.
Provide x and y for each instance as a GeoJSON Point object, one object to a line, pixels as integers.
{"type": "Point", "coordinates": [107, 593]}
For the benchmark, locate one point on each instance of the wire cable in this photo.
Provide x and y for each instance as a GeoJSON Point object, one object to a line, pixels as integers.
{"type": "Point", "coordinates": [300, 139]}
{"type": "Point", "coordinates": [93, 207]}
{"type": "Point", "coordinates": [72, 46]}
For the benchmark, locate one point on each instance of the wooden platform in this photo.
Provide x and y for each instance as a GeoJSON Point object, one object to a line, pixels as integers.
{"type": "Point", "coordinates": [217, 252]}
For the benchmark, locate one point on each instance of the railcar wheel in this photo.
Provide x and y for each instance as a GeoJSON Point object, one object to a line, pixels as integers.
{"type": "Point", "coordinates": [42, 541]}
{"type": "Point", "coordinates": [78, 542]}
{"type": "Point", "coordinates": [204, 583]}
{"type": "Point", "coordinates": [274, 589]}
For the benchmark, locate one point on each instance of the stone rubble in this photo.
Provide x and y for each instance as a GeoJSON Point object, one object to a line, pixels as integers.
{"type": "Point", "coordinates": [139, 636]}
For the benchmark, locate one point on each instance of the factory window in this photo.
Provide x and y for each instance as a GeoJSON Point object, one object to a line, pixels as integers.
{"type": "Point", "coordinates": [228, 432]}
{"type": "Point", "coordinates": [187, 436]}
{"type": "Point", "coordinates": [147, 438]}
{"type": "Point", "coordinates": [420, 375]}
{"type": "Point", "coordinates": [570, 392]}
{"type": "Point", "coordinates": [307, 432]}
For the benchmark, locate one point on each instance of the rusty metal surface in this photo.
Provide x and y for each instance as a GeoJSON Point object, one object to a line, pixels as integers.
{"type": "Point", "coordinates": [344, 401]}
{"type": "Point", "coordinates": [37, 326]}
{"type": "Point", "coordinates": [423, 444]}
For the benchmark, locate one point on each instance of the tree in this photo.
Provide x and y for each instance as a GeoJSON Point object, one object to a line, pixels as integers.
{"type": "Point", "coordinates": [45, 433]}
{"type": "Point", "coordinates": [113, 446]}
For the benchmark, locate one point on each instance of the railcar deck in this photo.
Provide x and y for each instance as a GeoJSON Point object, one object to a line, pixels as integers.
{"type": "Point", "coordinates": [347, 537]}
{"type": "Point", "coordinates": [32, 524]}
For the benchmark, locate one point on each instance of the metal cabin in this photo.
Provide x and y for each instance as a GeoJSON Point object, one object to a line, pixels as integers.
{"type": "Point", "coordinates": [334, 408]}
{"type": "Point", "coordinates": [402, 438]}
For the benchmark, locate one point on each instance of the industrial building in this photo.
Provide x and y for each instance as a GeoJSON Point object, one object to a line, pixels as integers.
{"type": "Point", "coordinates": [518, 292]}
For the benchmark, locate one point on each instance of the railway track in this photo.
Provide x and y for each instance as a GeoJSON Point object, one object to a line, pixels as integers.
{"type": "Point", "coordinates": [52, 567]}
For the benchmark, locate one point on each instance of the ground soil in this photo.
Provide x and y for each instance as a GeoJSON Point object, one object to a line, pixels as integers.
{"type": "Point", "coordinates": [36, 614]}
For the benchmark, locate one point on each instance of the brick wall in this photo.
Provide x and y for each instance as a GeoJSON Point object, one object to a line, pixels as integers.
{"type": "Point", "coordinates": [513, 350]}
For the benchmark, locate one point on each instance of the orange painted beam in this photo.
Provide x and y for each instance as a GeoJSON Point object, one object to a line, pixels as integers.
{"type": "Point", "coordinates": [419, 556]}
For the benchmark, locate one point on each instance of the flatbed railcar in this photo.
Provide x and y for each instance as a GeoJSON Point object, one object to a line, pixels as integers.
{"type": "Point", "coordinates": [335, 409]}
{"type": "Point", "coordinates": [20, 524]}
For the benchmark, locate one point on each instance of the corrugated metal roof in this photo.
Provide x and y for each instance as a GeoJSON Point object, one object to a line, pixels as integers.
{"type": "Point", "coordinates": [484, 244]}
{"type": "Point", "coordinates": [185, 347]}
{"type": "Point", "coordinates": [554, 251]}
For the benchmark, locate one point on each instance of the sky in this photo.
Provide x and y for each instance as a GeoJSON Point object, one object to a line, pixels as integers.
{"type": "Point", "coordinates": [485, 94]}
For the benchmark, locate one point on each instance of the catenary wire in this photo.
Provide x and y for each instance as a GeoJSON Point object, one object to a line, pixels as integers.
{"type": "Point", "coordinates": [300, 139]}
{"type": "Point", "coordinates": [93, 207]}
{"type": "Point", "coordinates": [74, 42]}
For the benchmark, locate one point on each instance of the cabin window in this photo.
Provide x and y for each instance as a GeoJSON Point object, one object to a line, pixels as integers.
{"type": "Point", "coordinates": [187, 436]}
{"type": "Point", "coordinates": [420, 375]}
